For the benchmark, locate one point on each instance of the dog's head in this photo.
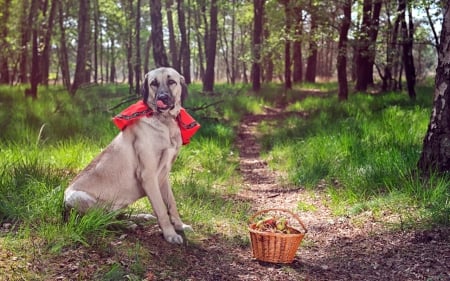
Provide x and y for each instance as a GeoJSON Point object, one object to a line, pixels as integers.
{"type": "Point", "coordinates": [164, 90]}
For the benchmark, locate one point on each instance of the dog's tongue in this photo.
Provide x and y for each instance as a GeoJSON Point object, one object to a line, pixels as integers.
{"type": "Point", "coordinates": [161, 104]}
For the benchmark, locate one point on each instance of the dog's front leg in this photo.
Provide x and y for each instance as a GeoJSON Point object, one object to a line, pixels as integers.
{"type": "Point", "coordinates": [159, 207]}
{"type": "Point", "coordinates": [169, 199]}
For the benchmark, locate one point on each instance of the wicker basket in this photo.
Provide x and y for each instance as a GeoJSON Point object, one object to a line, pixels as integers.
{"type": "Point", "coordinates": [275, 247]}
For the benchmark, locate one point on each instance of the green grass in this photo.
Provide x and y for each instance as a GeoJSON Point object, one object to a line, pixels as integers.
{"type": "Point", "coordinates": [366, 149]}
{"type": "Point", "coordinates": [46, 142]}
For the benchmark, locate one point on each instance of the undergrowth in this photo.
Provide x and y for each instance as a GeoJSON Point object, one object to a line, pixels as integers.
{"type": "Point", "coordinates": [365, 149]}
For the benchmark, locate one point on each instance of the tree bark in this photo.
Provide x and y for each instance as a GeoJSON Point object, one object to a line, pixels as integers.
{"type": "Point", "coordinates": [4, 60]}
{"type": "Point", "coordinates": [311, 64]}
{"type": "Point", "coordinates": [287, 47]}
{"type": "Point", "coordinates": [172, 42]}
{"type": "Point", "coordinates": [137, 61]}
{"type": "Point", "coordinates": [185, 52]}
{"type": "Point", "coordinates": [435, 157]}
{"type": "Point", "coordinates": [297, 74]}
{"type": "Point", "coordinates": [258, 11]}
{"type": "Point", "coordinates": [342, 51]}
{"type": "Point", "coordinates": [25, 31]}
{"type": "Point", "coordinates": [45, 55]}
{"type": "Point", "coordinates": [83, 45]}
{"type": "Point", "coordinates": [363, 72]}
{"type": "Point", "coordinates": [407, 42]}
{"type": "Point", "coordinates": [63, 53]}
{"type": "Point", "coordinates": [208, 81]}
{"type": "Point", "coordinates": [159, 52]}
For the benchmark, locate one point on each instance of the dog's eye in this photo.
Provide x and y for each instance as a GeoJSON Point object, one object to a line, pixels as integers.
{"type": "Point", "coordinates": [154, 83]}
{"type": "Point", "coordinates": [171, 82]}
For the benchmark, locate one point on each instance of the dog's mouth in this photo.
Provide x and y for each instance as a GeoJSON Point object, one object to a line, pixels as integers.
{"type": "Point", "coordinates": [163, 104]}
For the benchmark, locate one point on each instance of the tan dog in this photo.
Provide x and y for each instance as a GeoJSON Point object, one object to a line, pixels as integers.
{"type": "Point", "coordinates": [138, 161]}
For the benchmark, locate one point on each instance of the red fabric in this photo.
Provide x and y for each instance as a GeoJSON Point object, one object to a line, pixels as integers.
{"type": "Point", "coordinates": [188, 125]}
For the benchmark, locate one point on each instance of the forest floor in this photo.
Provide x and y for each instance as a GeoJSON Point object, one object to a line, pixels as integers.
{"type": "Point", "coordinates": [334, 248]}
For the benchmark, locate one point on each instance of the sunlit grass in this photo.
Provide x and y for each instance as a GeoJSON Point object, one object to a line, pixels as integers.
{"type": "Point", "coordinates": [366, 149]}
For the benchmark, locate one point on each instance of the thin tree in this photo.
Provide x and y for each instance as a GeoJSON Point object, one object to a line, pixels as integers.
{"type": "Point", "coordinates": [407, 45]}
{"type": "Point", "coordinates": [342, 50]}
{"type": "Point", "coordinates": [297, 74]}
{"type": "Point", "coordinates": [258, 11]}
{"type": "Point", "coordinates": [137, 61]}
{"type": "Point", "coordinates": [4, 63]}
{"type": "Point", "coordinates": [62, 49]}
{"type": "Point", "coordinates": [82, 48]}
{"type": "Point", "coordinates": [287, 46]}
{"type": "Point", "coordinates": [159, 52]}
{"type": "Point", "coordinates": [435, 157]}
{"type": "Point", "coordinates": [185, 53]}
{"type": "Point", "coordinates": [311, 62]}
{"type": "Point", "coordinates": [208, 79]}
{"type": "Point", "coordinates": [174, 58]}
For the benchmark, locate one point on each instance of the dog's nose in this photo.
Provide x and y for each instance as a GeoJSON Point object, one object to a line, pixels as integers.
{"type": "Point", "coordinates": [164, 98]}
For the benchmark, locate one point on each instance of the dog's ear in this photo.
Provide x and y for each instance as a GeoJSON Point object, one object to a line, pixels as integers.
{"type": "Point", "coordinates": [144, 90]}
{"type": "Point", "coordinates": [184, 90]}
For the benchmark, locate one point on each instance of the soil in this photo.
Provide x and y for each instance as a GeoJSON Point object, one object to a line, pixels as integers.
{"type": "Point", "coordinates": [334, 248]}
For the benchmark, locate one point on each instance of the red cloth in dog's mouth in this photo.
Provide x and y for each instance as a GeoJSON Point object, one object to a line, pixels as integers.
{"type": "Point", "coordinates": [187, 124]}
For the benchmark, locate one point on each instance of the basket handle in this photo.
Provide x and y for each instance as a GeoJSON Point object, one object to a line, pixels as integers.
{"type": "Point", "coordinates": [282, 210]}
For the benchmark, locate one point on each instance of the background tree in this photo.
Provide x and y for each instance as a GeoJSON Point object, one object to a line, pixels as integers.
{"type": "Point", "coordinates": [257, 36]}
{"type": "Point", "coordinates": [83, 45]}
{"type": "Point", "coordinates": [159, 52]}
{"type": "Point", "coordinates": [341, 63]}
{"type": "Point", "coordinates": [211, 41]}
{"type": "Point", "coordinates": [435, 155]}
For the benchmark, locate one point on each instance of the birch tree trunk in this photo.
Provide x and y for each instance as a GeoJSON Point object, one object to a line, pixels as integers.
{"type": "Point", "coordinates": [435, 156]}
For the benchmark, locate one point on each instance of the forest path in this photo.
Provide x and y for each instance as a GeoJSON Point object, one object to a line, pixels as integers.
{"type": "Point", "coordinates": [336, 248]}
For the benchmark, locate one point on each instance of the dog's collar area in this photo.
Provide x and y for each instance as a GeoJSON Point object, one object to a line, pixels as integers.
{"type": "Point", "coordinates": [187, 124]}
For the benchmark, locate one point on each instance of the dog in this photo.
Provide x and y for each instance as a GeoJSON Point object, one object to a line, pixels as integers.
{"type": "Point", "coordinates": [138, 161]}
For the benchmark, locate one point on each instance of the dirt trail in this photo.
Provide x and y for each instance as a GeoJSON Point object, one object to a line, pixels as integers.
{"type": "Point", "coordinates": [333, 249]}
{"type": "Point", "coordinates": [337, 248]}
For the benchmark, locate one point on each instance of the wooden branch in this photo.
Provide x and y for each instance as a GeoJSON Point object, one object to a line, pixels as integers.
{"type": "Point", "coordinates": [132, 98]}
{"type": "Point", "coordinates": [204, 106]}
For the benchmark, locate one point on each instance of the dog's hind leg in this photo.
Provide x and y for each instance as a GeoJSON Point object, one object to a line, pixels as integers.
{"type": "Point", "coordinates": [79, 200]}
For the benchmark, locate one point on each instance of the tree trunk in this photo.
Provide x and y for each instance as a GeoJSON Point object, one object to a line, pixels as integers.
{"type": "Point", "coordinates": [4, 46]}
{"type": "Point", "coordinates": [342, 51]}
{"type": "Point", "coordinates": [258, 11]}
{"type": "Point", "coordinates": [129, 44]}
{"type": "Point", "coordinates": [63, 53]}
{"type": "Point", "coordinates": [363, 72]}
{"type": "Point", "coordinates": [137, 62]}
{"type": "Point", "coordinates": [35, 71]}
{"type": "Point", "coordinates": [148, 46]}
{"type": "Point", "coordinates": [297, 74]}
{"type": "Point", "coordinates": [233, 35]}
{"type": "Point", "coordinates": [435, 155]}
{"type": "Point", "coordinates": [112, 71]}
{"type": "Point", "coordinates": [159, 52]}
{"type": "Point", "coordinates": [185, 53]}
{"type": "Point", "coordinates": [172, 42]}
{"type": "Point", "coordinates": [45, 56]}
{"type": "Point", "coordinates": [311, 64]}
{"type": "Point", "coordinates": [208, 81]}
{"type": "Point", "coordinates": [96, 37]}
{"type": "Point", "coordinates": [287, 47]}
{"type": "Point", "coordinates": [200, 73]}
{"type": "Point", "coordinates": [83, 45]}
{"type": "Point", "coordinates": [407, 42]}
{"type": "Point", "coordinates": [373, 34]}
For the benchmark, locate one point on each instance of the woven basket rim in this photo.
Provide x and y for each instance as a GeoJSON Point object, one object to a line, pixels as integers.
{"type": "Point", "coordinates": [268, 233]}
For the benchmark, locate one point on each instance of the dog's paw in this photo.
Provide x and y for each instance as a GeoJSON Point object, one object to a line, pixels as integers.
{"type": "Point", "coordinates": [174, 239]}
